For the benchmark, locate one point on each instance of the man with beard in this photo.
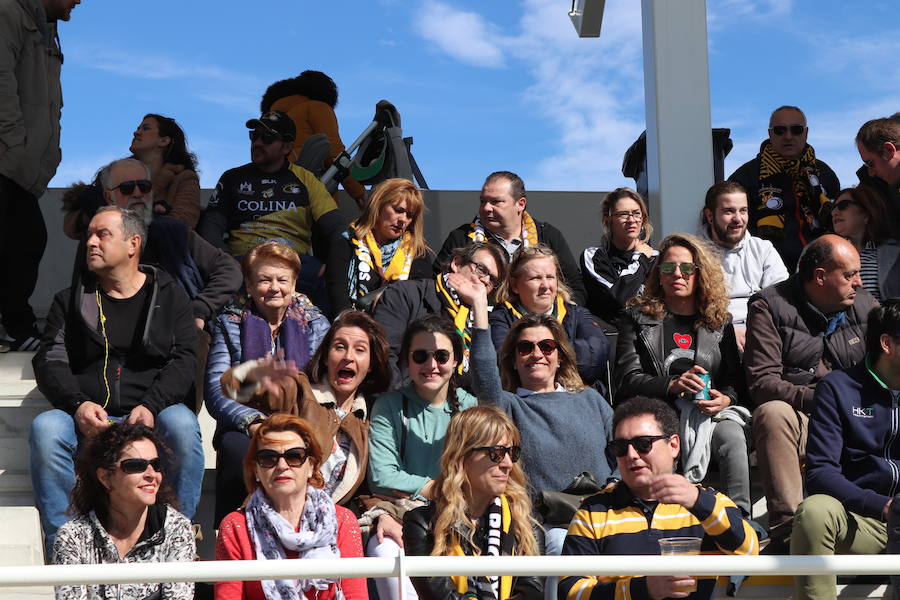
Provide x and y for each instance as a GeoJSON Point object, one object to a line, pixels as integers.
{"type": "Point", "coordinates": [750, 263]}
{"type": "Point", "coordinates": [788, 188]}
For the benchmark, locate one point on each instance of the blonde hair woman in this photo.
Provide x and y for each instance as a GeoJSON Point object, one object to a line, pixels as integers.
{"type": "Point", "coordinates": [480, 507]}
{"type": "Point", "coordinates": [676, 343]}
{"type": "Point", "coordinates": [385, 243]}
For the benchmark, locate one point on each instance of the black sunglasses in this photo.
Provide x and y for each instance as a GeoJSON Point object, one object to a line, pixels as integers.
{"type": "Point", "coordinates": [843, 204]}
{"type": "Point", "coordinates": [641, 443]}
{"type": "Point", "coordinates": [782, 129]}
{"type": "Point", "coordinates": [420, 356]}
{"type": "Point", "coordinates": [496, 453]}
{"type": "Point", "coordinates": [687, 269]}
{"type": "Point", "coordinates": [126, 187]}
{"type": "Point", "coordinates": [133, 466]}
{"type": "Point", "coordinates": [526, 347]}
{"type": "Point", "coordinates": [265, 136]}
{"type": "Point", "coordinates": [294, 457]}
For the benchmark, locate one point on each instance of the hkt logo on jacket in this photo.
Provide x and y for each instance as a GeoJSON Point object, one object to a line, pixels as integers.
{"type": "Point", "coordinates": [864, 413]}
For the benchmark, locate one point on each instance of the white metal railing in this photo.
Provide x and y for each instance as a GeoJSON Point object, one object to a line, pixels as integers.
{"type": "Point", "coordinates": [420, 566]}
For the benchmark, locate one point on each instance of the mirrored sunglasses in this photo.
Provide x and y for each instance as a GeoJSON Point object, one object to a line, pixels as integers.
{"type": "Point", "coordinates": [687, 269]}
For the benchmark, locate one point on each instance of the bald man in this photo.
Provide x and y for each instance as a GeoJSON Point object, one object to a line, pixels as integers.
{"type": "Point", "coordinates": [798, 331]}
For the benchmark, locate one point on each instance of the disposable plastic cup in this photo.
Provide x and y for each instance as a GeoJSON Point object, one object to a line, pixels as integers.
{"type": "Point", "coordinates": [681, 546]}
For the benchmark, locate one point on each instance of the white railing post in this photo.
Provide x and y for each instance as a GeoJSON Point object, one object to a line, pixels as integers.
{"type": "Point", "coordinates": [401, 567]}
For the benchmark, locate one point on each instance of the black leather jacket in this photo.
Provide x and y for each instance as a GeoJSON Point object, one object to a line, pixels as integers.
{"type": "Point", "coordinates": [640, 354]}
{"type": "Point", "coordinates": [418, 541]}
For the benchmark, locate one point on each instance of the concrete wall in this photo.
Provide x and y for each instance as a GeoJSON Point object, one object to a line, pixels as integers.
{"type": "Point", "coordinates": [576, 214]}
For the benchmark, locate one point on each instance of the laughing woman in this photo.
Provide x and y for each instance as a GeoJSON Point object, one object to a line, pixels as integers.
{"type": "Point", "coordinates": [124, 514]}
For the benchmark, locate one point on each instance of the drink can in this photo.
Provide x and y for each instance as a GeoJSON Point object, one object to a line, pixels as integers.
{"type": "Point", "coordinates": [704, 394]}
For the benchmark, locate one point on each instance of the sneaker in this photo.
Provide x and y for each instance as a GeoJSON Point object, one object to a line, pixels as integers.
{"type": "Point", "coordinates": [4, 346]}
{"type": "Point", "coordinates": [26, 344]}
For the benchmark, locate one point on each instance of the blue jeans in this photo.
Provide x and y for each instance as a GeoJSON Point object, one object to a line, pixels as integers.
{"type": "Point", "coordinates": [553, 545]}
{"type": "Point", "coordinates": [54, 442]}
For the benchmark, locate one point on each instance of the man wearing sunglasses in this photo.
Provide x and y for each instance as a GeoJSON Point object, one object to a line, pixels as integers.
{"type": "Point", "coordinates": [504, 221]}
{"type": "Point", "coordinates": [651, 502]}
{"type": "Point", "coordinates": [272, 199]}
{"type": "Point", "coordinates": [798, 331]}
{"type": "Point", "coordinates": [788, 188]}
{"type": "Point", "coordinates": [852, 459]}
{"type": "Point", "coordinates": [878, 142]}
{"type": "Point", "coordinates": [119, 346]}
{"type": "Point", "coordinates": [30, 107]}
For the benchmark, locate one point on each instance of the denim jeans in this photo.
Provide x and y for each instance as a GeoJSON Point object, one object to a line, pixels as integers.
{"type": "Point", "coordinates": [554, 538]}
{"type": "Point", "coordinates": [53, 445]}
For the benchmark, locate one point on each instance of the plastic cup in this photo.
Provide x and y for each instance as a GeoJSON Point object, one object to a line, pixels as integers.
{"type": "Point", "coordinates": [681, 546]}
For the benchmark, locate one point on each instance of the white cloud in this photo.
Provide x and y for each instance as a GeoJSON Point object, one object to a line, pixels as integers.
{"type": "Point", "coordinates": [466, 36]}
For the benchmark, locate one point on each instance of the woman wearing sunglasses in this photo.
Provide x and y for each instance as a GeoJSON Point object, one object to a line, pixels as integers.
{"type": "Point", "coordinates": [480, 507]}
{"type": "Point", "coordinates": [407, 430]}
{"type": "Point", "coordinates": [859, 215]}
{"type": "Point", "coordinates": [270, 320]}
{"type": "Point", "coordinates": [534, 285]}
{"type": "Point", "coordinates": [614, 271]}
{"type": "Point", "coordinates": [288, 515]}
{"type": "Point", "coordinates": [123, 508]}
{"type": "Point", "coordinates": [676, 343]}
{"type": "Point", "coordinates": [538, 386]}
{"type": "Point", "coordinates": [385, 243]}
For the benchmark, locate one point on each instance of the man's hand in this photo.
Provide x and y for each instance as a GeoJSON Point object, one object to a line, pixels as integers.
{"type": "Point", "coordinates": [688, 382]}
{"type": "Point", "coordinates": [674, 489]}
{"type": "Point", "coordinates": [141, 414]}
{"type": "Point", "coordinates": [90, 418]}
{"type": "Point", "coordinates": [389, 527]}
{"type": "Point", "coordinates": [886, 511]}
{"type": "Point", "coordinates": [666, 586]}
{"type": "Point", "coordinates": [716, 403]}
{"type": "Point", "coordinates": [199, 323]}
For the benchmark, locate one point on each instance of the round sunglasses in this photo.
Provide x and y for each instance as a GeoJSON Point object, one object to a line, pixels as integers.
{"type": "Point", "coordinates": [526, 347]}
{"type": "Point", "coordinates": [294, 457]}
{"type": "Point", "coordinates": [420, 356]}
{"type": "Point", "coordinates": [133, 466]}
{"type": "Point", "coordinates": [496, 453]}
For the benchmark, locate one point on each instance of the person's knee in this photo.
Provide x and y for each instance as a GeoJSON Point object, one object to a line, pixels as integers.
{"type": "Point", "coordinates": [179, 425]}
{"type": "Point", "coordinates": [776, 419]}
{"type": "Point", "coordinates": [51, 429]}
{"type": "Point", "coordinates": [817, 511]}
{"type": "Point", "coordinates": [387, 548]}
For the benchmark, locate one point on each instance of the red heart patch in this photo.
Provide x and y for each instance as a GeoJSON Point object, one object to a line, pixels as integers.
{"type": "Point", "coordinates": [683, 340]}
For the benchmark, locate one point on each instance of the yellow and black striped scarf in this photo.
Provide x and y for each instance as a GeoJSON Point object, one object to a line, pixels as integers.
{"type": "Point", "coordinates": [807, 189]}
{"type": "Point", "coordinates": [559, 309]}
{"type": "Point", "coordinates": [459, 314]}
{"type": "Point", "coordinates": [368, 259]}
{"type": "Point", "coordinates": [500, 543]}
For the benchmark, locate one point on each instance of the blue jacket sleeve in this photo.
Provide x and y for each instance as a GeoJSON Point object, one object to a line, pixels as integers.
{"type": "Point", "coordinates": [591, 345]}
{"type": "Point", "coordinates": [224, 353]}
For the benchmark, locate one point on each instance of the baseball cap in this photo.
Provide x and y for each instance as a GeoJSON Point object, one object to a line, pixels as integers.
{"type": "Point", "coordinates": [275, 122]}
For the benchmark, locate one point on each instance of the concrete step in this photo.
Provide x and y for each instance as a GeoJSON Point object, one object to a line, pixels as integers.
{"type": "Point", "coordinates": [15, 366]}
{"type": "Point", "coordinates": [22, 546]}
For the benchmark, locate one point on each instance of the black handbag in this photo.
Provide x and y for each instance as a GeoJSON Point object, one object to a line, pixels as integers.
{"type": "Point", "coordinates": [557, 508]}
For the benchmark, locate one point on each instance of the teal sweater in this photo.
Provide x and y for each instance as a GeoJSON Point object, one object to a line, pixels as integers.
{"type": "Point", "coordinates": [389, 472]}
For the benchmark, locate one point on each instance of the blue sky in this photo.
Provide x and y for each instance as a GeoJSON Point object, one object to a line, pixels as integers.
{"type": "Point", "coordinates": [481, 86]}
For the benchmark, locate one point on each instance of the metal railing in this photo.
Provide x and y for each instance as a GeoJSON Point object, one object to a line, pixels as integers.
{"type": "Point", "coordinates": [422, 566]}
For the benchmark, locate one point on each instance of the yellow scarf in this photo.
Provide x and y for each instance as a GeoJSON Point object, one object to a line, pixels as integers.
{"type": "Point", "coordinates": [559, 311]}
{"type": "Point", "coordinates": [369, 253]}
{"type": "Point", "coordinates": [459, 314]}
{"type": "Point", "coordinates": [461, 582]}
{"type": "Point", "coordinates": [529, 231]}
{"type": "Point", "coordinates": [811, 202]}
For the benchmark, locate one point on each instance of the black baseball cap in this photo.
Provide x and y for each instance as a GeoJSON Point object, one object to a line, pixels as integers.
{"type": "Point", "coordinates": [276, 123]}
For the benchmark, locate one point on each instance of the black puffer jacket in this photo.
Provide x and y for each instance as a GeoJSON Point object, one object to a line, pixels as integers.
{"type": "Point", "coordinates": [418, 540]}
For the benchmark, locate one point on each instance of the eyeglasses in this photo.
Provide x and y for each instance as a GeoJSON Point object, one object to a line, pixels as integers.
{"type": "Point", "coordinates": [483, 273]}
{"type": "Point", "coordinates": [687, 269]}
{"type": "Point", "coordinates": [843, 204]}
{"type": "Point", "coordinates": [642, 444]}
{"type": "Point", "coordinates": [420, 356]}
{"type": "Point", "coordinates": [496, 453]}
{"type": "Point", "coordinates": [624, 215]}
{"type": "Point", "coordinates": [294, 457]}
{"type": "Point", "coordinates": [133, 466]}
{"type": "Point", "coordinates": [526, 347]}
{"type": "Point", "coordinates": [265, 136]}
{"type": "Point", "coordinates": [782, 129]}
{"type": "Point", "coordinates": [126, 187]}
{"type": "Point", "coordinates": [870, 164]}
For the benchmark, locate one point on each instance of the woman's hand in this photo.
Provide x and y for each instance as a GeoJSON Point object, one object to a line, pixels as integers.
{"type": "Point", "coordinates": [688, 382]}
{"type": "Point", "coordinates": [644, 248]}
{"type": "Point", "coordinates": [270, 369]}
{"type": "Point", "coordinates": [473, 293]}
{"type": "Point", "coordinates": [389, 527]}
{"type": "Point", "coordinates": [716, 403]}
